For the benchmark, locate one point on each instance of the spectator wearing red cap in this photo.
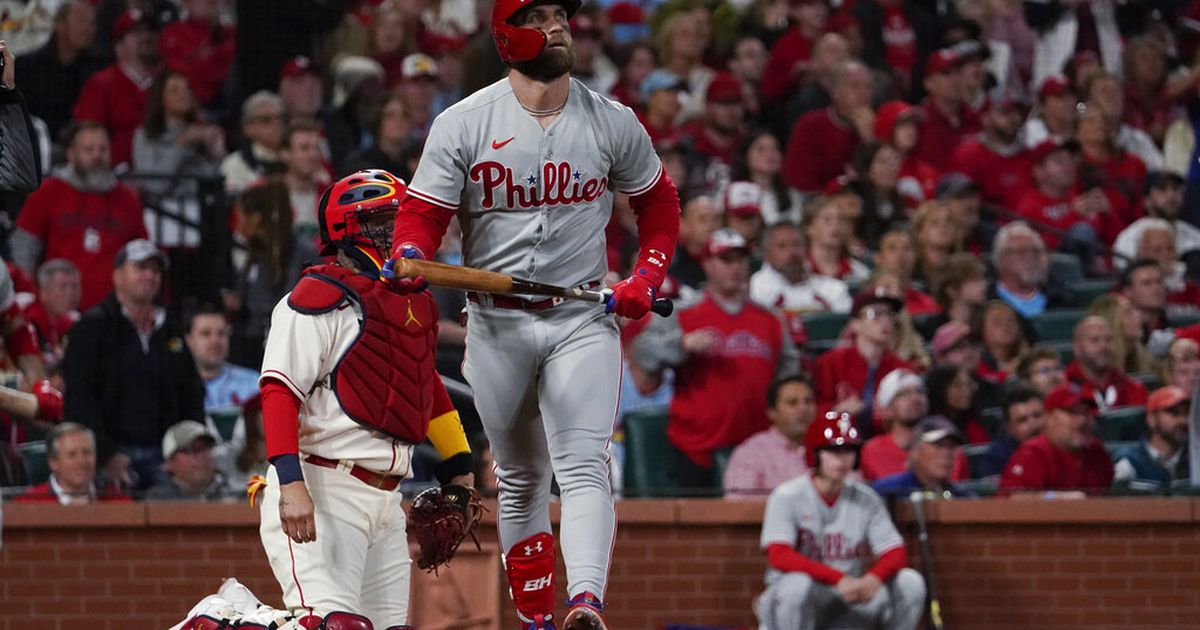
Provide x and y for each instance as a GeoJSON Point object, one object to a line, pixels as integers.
{"type": "Point", "coordinates": [726, 352]}
{"type": "Point", "coordinates": [1095, 367]}
{"type": "Point", "coordinates": [1055, 116]}
{"type": "Point", "coordinates": [200, 47]}
{"type": "Point", "coordinates": [115, 97]}
{"type": "Point", "coordinates": [847, 377]}
{"type": "Point", "coordinates": [897, 37]}
{"type": "Point", "coordinates": [994, 158]}
{"type": "Point", "coordinates": [898, 124]}
{"type": "Point", "coordinates": [1079, 219]}
{"type": "Point", "coordinates": [1160, 459]}
{"type": "Point", "coordinates": [714, 139]}
{"type": "Point", "coordinates": [301, 88]}
{"type": "Point", "coordinates": [1066, 455]}
{"type": "Point", "coordinates": [823, 141]}
{"type": "Point", "coordinates": [787, 64]}
{"type": "Point", "coordinates": [947, 119]}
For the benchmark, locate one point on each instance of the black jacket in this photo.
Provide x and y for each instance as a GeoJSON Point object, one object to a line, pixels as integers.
{"type": "Point", "coordinates": [871, 17]}
{"type": "Point", "coordinates": [20, 166]}
{"type": "Point", "coordinates": [51, 87]}
{"type": "Point", "coordinates": [124, 394]}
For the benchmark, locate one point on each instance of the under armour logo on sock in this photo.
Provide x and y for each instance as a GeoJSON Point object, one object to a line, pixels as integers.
{"type": "Point", "coordinates": [529, 549]}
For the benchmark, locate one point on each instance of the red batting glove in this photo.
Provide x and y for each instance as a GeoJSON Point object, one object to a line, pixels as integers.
{"type": "Point", "coordinates": [631, 297]}
{"type": "Point", "coordinates": [49, 400]}
{"type": "Point", "coordinates": [403, 286]}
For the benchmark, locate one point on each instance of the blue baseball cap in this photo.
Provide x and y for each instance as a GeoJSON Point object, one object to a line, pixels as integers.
{"type": "Point", "coordinates": [661, 80]}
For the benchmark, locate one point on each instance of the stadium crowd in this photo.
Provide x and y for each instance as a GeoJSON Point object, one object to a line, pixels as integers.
{"type": "Point", "coordinates": [971, 225]}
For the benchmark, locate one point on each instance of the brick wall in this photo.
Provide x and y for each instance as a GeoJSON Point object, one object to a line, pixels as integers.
{"type": "Point", "coordinates": [1101, 563]}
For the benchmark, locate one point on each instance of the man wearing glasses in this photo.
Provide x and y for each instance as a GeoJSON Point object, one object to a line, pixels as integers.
{"type": "Point", "coordinates": [1161, 457]}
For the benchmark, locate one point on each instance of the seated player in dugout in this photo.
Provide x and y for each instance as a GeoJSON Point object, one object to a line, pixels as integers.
{"type": "Point", "coordinates": [349, 387]}
{"type": "Point", "coordinates": [820, 531]}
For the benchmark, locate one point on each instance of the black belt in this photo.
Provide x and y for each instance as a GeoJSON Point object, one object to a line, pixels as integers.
{"type": "Point", "coordinates": [521, 304]}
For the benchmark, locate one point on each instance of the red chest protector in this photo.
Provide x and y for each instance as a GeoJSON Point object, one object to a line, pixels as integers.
{"type": "Point", "coordinates": [385, 380]}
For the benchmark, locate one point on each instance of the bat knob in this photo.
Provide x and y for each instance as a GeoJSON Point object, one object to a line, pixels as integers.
{"type": "Point", "coordinates": [662, 307]}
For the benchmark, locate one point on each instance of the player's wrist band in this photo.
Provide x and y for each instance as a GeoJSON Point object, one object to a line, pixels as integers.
{"type": "Point", "coordinates": [453, 466]}
{"type": "Point", "coordinates": [287, 467]}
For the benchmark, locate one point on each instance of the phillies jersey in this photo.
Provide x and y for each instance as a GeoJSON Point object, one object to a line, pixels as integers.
{"type": "Point", "coordinates": [1001, 177]}
{"type": "Point", "coordinates": [721, 396]}
{"type": "Point", "coordinates": [534, 202]}
{"type": "Point", "coordinates": [846, 535]}
{"type": "Point", "coordinates": [841, 373]}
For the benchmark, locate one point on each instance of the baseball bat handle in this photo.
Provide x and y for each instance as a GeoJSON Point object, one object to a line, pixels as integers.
{"type": "Point", "coordinates": [663, 307]}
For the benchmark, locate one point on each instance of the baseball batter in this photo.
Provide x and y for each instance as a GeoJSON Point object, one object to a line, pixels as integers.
{"type": "Point", "coordinates": [819, 532]}
{"type": "Point", "coordinates": [349, 387]}
{"type": "Point", "coordinates": [530, 165]}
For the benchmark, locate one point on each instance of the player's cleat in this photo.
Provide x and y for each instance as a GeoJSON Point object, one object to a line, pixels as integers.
{"type": "Point", "coordinates": [584, 613]}
{"type": "Point", "coordinates": [540, 622]}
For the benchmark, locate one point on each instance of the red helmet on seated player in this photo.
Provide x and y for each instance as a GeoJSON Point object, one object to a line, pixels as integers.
{"type": "Point", "coordinates": [356, 216]}
{"type": "Point", "coordinates": [834, 430]}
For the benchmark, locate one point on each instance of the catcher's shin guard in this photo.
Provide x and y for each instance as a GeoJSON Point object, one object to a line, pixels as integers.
{"type": "Point", "coordinates": [584, 613]}
{"type": "Point", "coordinates": [529, 565]}
{"type": "Point", "coordinates": [345, 621]}
{"type": "Point", "coordinates": [205, 622]}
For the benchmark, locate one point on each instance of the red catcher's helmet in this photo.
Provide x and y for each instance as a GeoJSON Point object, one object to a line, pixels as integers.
{"type": "Point", "coordinates": [345, 208]}
{"type": "Point", "coordinates": [520, 43]}
{"type": "Point", "coordinates": [834, 429]}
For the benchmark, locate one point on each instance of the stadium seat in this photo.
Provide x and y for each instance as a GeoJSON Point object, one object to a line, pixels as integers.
{"type": "Point", "coordinates": [824, 326]}
{"type": "Point", "coordinates": [1065, 269]}
{"type": "Point", "coordinates": [1149, 379]}
{"type": "Point", "coordinates": [1065, 349]}
{"type": "Point", "coordinates": [34, 457]}
{"type": "Point", "coordinates": [974, 454]}
{"type": "Point", "coordinates": [649, 458]}
{"type": "Point", "coordinates": [982, 488]}
{"type": "Point", "coordinates": [1084, 292]}
{"type": "Point", "coordinates": [721, 462]}
{"type": "Point", "coordinates": [1122, 424]}
{"type": "Point", "coordinates": [1179, 320]}
{"type": "Point", "coordinates": [1056, 324]}
{"type": "Point", "coordinates": [1115, 446]}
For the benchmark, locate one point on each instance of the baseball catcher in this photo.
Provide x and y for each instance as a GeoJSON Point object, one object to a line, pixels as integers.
{"type": "Point", "coordinates": [349, 386]}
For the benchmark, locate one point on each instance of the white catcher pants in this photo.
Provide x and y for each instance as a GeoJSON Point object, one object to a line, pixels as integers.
{"type": "Point", "coordinates": [797, 602]}
{"type": "Point", "coordinates": [359, 562]}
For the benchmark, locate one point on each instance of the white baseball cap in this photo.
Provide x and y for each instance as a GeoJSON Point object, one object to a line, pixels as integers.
{"type": "Point", "coordinates": [891, 385]}
{"type": "Point", "coordinates": [182, 434]}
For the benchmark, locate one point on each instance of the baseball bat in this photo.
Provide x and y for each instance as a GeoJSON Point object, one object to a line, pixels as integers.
{"type": "Point", "coordinates": [471, 279]}
{"type": "Point", "coordinates": [19, 403]}
{"type": "Point", "coordinates": [935, 606]}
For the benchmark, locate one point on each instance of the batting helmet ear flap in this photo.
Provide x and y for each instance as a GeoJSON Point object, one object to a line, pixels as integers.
{"type": "Point", "coordinates": [521, 43]}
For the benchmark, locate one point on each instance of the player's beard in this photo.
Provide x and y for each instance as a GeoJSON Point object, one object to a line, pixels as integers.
{"type": "Point", "coordinates": [551, 63]}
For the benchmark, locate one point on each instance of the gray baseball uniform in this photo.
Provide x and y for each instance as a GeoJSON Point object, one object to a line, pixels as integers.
{"type": "Point", "coordinates": [845, 536]}
{"type": "Point", "coordinates": [533, 203]}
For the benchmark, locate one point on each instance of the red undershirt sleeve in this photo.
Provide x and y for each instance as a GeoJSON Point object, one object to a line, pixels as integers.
{"type": "Point", "coordinates": [657, 212]}
{"type": "Point", "coordinates": [281, 419]}
{"type": "Point", "coordinates": [890, 563]}
{"type": "Point", "coordinates": [420, 224]}
{"type": "Point", "coordinates": [784, 558]}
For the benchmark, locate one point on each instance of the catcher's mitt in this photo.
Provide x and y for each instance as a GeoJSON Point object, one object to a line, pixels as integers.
{"type": "Point", "coordinates": [440, 519]}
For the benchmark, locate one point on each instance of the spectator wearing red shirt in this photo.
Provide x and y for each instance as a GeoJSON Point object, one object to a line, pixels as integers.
{"type": "Point", "coordinates": [1119, 173]}
{"type": "Point", "coordinates": [301, 88]}
{"type": "Point", "coordinates": [1079, 221]}
{"type": "Point", "coordinates": [200, 47]}
{"type": "Point", "coordinates": [787, 63]}
{"type": "Point", "coordinates": [1104, 91]}
{"type": "Point", "coordinates": [902, 405]}
{"type": "Point", "coordinates": [1095, 369]}
{"type": "Point", "coordinates": [995, 159]}
{"type": "Point", "coordinates": [56, 308]}
{"type": "Point", "coordinates": [847, 378]}
{"type": "Point", "coordinates": [823, 141]}
{"type": "Point", "coordinates": [71, 456]}
{"type": "Point", "coordinates": [713, 140]}
{"type": "Point", "coordinates": [899, 125]}
{"type": "Point", "coordinates": [80, 213]}
{"type": "Point", "coordinates": [1066, 456]}
{"type": "Point", "coordinates": [726, 352]}
{"type": "Point", "coordinates": [115, 97]}
{"type": "Point", "coordinates": [897, 257]}
{"type": "Point", "coordinates": [660, 105]}
{"type": "Point", "coordinates": [947, 120]}
{"type": "Point", "coordinates": [1149, 93]}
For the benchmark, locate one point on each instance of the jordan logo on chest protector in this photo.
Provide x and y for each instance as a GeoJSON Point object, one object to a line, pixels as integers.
{"type": "Point", "coordinates": [557, 184]}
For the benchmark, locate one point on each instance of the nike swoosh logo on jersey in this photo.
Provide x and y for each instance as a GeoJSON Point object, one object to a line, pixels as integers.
{"type": "Point", "coordinates": [499, 145]}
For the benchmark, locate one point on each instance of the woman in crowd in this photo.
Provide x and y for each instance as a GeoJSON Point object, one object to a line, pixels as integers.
{"type": "Point", "coordinates": [760, 160]}
{"type": "Point", "coordinates": [1131, 354]}
{"type": "Point", "coordinates": [908, 342]}
{"type": "Point", "coordinates": [898, 124]}
{"type": "Point", "coordinates": [174, 140]}
{"type": "Point", "coordinates": [1181, 365]}
{"type": "Point", "coordinates": [897, 258]}
{"type": "Point", "coordinates": [1003, 336]}
{"type": "Point", "coordinates": [635, 62]}
{"type": "Point", "coordinates": [877, 170]}
{"type": "Point", "coordinates": [828, 239]}
{"type": "Point", "coordinates": [936, 235]}
{"type": "Point", "coordinates": [959, 288]}
{"type": "Point", "coordinates": [681, 46]}
{"type": "Point", "coordinates": [951, 391]}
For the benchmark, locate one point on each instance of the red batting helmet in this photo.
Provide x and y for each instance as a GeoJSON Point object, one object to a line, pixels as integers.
{"type": "Point", "coordinates": [521, 43]}
{"type": "Point", "coordinates": [345, 208]}
{"type": "Point", "coordinates": [834, 429]}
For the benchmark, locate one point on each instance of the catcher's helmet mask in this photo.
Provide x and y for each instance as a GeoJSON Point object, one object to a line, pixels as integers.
{"type": "Point", "coordinates": [356, 215]}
